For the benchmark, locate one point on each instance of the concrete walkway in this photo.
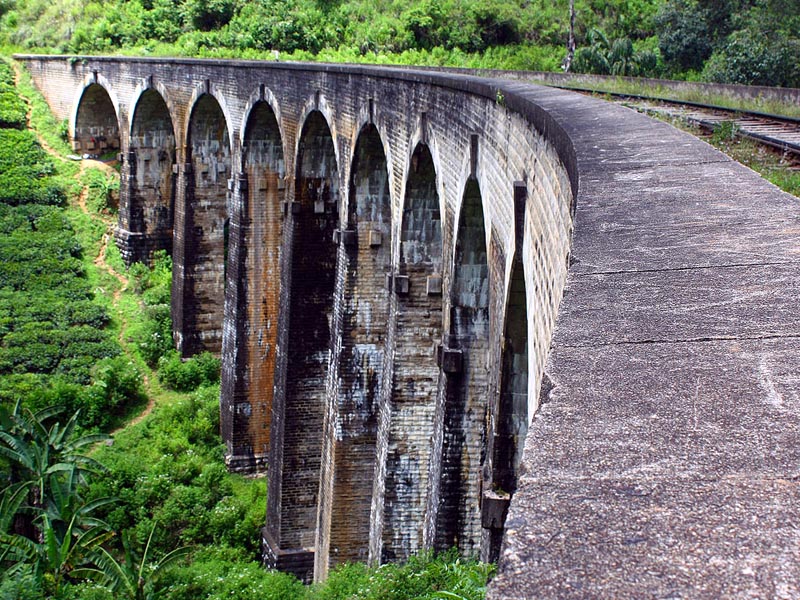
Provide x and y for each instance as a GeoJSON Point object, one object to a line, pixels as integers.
{"type": "Point", "coordinates": [664, 460]}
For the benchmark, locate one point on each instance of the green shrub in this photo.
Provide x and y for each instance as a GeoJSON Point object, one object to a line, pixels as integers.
{"type": "Point", "coordinates": [25, 169]}
{"type": "Point", "coordinates": [154, 283]}
{"type": "Point", "coordinates": [752, 58]}
{"type": "Point", "coordinates": [153, 335]}
{"type": "Point", "coordinates": [425, 576]}
{"type": "Point", "coordinates": [20, 187]}
{"type": "Point", "coordinates": [344, 582]}
{"type": "Point", "coordinates": [684, 38]}
{"type": "Point", "coordinates": [217, 574]}
{"type": "Point", "coordinates": [103, 190]}
{"type": "Point", "coordinates": [116, 385]}
{"type": "Point", "coordinates": [285, 26]}
{"type": "Point", "coordinates": [237, 519]}
{"type": "Point", "coordinates": [13, 112]}
{"type": "Point", "coordinates": [206, 15]}
{"type": "Point", "coordinates": [22, 585]}
{"type": "Point", "coordinates": [53, 346]}
{"type": "Point", "coordinates": [170, 469]}
{"type": "Point", "coordinates": [190, 374]}
{"type": "Point", "coordinates": [87, 591]}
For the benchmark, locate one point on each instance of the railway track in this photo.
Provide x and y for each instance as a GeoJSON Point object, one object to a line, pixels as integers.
{"type": "Point", "coordinates": [779, 132]}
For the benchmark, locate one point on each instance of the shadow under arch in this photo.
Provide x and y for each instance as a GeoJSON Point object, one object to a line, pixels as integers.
{"type": "Point", "coordinates": [96, 128]}
{"type": "Point", "coordinates": [512, 411]}
{"type": "Point", "coordinates": [465, 408]}
{"type": "Point", "coordinates": [345, 501]}
{"type": "Point", "coordinates": [254, 292]}
{"type": "Point", "coordinates": [206, 211]}
{"type": "Point", "coordinates": [418, 285]}
{"type": "Point", "coordinates": [311, 261]}
{"type": "Point", "coordinates": [149, 195]}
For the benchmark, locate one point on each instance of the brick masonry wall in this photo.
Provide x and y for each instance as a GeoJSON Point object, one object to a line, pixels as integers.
{"type": "Point", "coordinates": [254, 275]}
{"type": "Point", "coordinates": [96, 130]}
{"type": "Point", "coordinates": [416, 374]}
{"type": "Point", "coordinates": [344, 520]}
{"type": "Point", "coordinates": [465, 361]}
{"type": "Point", "coordinates": [327, 422]}
{"type": "Point", "coordinates": [148, 182]}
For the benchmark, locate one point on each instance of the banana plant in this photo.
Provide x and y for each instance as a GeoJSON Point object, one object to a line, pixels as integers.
{"type": "Point", "coordinates": [135, 577]}
{"type": "Point", "coordinates": [68, 542]}
{"type": "Point", "coordinates": [44, 523]}
{"type": "Point", "coordinates": [41, 451]}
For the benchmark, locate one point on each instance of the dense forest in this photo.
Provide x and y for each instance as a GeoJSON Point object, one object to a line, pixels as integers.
{"type": "Point", "coordinates": [740, 41]}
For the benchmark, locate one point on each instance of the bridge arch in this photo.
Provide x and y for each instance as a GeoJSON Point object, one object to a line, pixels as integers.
{"type": "Point", "coordinates": [206, 214]}
{"type": "Point", "coordinates": [400, 502]}
{"type": "Point", "coordinates": [511, 418]}
{"type": "Point", "coordinates": [148, 187]}
{"type": "Point", "coordinates": [254, 290]}
{"type": "Point", "coordinates": [263, 95]}
{"type": "Point", "coordinates": [424, 136]}
{"type": "Point", "coordinates": [365, 259]}
{"type": "Point", "coordinates": [312, 217]}
{"type": "Point", "coordinates": [149, 84]}
{"type": "Point", "coordinates": [371, 116]}
{"type": "Point", "coordinates": [466, 390]}
{"type": "Point", "coordinates": [207, 88]}
{"type": "Point", "coordinates": [320, 105]}
{"type": "Point", "coordinates": [94, 122]}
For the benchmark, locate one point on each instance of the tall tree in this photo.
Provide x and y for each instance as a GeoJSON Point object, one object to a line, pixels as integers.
{"type": "Point", "coordinates": [571, 41]}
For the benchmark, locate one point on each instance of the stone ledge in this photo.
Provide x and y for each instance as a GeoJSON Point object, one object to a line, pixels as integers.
{"type": "Point", "coordinates": [663, 460]}
{"type": "Point", "coordinates": [299, 561]}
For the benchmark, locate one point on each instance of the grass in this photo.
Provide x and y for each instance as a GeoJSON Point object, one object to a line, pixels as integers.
{"type": "Point", "coordinates": [769, 164]}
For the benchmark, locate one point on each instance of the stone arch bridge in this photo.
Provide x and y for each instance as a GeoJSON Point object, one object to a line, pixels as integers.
{"type": "Point", "coordinates": [413, 339]}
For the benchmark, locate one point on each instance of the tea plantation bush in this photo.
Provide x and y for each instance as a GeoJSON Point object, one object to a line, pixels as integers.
{"type": "Point", "coordinates": [54, 345]}
{"type": "Point", "coordinates": [13, 111]}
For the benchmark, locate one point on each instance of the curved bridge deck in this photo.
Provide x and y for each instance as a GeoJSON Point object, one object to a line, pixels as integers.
{"type": "Point", "coordinates": [662, 458]}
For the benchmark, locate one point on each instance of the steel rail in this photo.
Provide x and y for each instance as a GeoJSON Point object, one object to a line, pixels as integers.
{"type": "Point", "coordinates": [743, 119]}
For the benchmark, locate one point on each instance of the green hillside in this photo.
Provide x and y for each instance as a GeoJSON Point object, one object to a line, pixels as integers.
{"type": "Point", "coordinates": [744, 41]}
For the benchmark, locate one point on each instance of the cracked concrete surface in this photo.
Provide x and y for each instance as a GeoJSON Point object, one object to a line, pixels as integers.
{"type": "Point", "coordinates": [664, 461]}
